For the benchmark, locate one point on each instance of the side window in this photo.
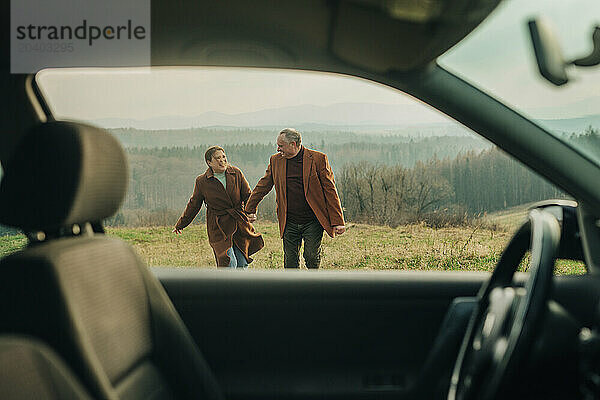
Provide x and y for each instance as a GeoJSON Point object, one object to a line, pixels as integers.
{"type": "Point", "coordinates": [418, 191]}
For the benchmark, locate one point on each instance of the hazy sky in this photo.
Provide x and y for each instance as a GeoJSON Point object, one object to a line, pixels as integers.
{"type": "Point", "coordinates": [192, 91]}
{"type": "Point", "coordinates": [498, 57]}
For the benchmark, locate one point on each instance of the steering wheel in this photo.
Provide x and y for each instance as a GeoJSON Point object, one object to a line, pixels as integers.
{"type": "Point", "coordinates": [507, 317]}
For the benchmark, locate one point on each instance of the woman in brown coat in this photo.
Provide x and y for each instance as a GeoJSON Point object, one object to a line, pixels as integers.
{"type": "Point", "coordinates": [224, 189]}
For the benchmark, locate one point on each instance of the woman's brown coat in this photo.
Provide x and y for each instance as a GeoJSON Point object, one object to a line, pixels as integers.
{"type": "Point", "coordinates": [226, 222]}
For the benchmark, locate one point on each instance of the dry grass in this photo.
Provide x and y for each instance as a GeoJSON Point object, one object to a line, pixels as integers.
{"type": "Point", "coordinates": [509, 219]}
{"type": "Point", "coordinates": [413, 247]}
{"type": "Point", "coordinates": [407, 247]}
{"type": "Point", "coordinates": [365, 247]}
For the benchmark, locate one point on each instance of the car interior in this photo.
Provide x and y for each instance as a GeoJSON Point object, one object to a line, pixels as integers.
{"type": "Point", "coordinates": [81, 316]}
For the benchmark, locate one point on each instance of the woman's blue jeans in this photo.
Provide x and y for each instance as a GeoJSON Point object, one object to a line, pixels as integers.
{"type": "Point", "coordinates": [236, 258]}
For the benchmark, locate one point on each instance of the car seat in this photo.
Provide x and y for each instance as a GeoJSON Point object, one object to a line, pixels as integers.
{"type": "Point", "coordinates": [31, 370]}
{"type": "Point", "coordinates": [85, 294]}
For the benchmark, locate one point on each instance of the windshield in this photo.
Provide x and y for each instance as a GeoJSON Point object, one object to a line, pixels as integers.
{"type": "Point", "coordinates": [498, 57]}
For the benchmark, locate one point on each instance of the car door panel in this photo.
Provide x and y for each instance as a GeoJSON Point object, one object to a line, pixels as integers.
{"type": "Point", "coordinates": [304, 334]}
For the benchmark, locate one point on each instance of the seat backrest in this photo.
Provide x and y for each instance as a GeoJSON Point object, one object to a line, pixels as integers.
{"type": "Point", "coordinates": [85, 294]}
{"type": "Point", "coordinates": [31, 370]}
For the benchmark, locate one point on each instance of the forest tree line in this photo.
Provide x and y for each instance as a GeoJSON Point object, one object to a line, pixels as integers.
{"type": "Point", "coordinates": [440, 192]}
{"type": "Point", "coordinates": [162, 179]}
{"type": "Point", "coordinates": [141, 138]}
{"type": "Point", "coordinates": [448, 190]}
{"type": "Point", "coordinates": [381, 183]}
{"type": "Point", "coordinates": [377, 183]}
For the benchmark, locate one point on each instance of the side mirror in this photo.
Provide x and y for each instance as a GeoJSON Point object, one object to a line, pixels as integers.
{"type": "Point", "coordinates": [549, 57]}
{"type": "Point", "coordinates": [565, 212]}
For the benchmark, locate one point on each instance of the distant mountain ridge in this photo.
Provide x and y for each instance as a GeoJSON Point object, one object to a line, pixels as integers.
{"type": "Point", "coordinates": [335, 115]}
{"type": "Point", "coordinates": [354, 117]}
{"type": "Point", "coordinates": [571, 125]}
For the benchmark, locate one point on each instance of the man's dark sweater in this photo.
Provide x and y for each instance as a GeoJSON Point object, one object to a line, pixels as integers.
{"type": "Point", "coordinates": [298, 210]}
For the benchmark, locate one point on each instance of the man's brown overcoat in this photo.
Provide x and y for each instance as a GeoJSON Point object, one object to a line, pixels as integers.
{"type": "Point", "coordinates": [226, 221]}
{"type": "Point", "coordinates": [319, 189]}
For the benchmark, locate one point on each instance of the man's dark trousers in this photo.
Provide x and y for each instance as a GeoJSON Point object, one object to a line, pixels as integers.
{"type": "Point", "coordinates": [312, 233]}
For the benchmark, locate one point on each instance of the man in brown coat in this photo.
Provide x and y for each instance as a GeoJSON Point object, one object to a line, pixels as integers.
{"type": "Point", "coordinates": [224, 189]}
{"type": "Point", "coordinates": [307, 200]}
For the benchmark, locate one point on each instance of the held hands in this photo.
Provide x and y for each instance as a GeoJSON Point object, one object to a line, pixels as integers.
{"type": "Point", "coordinates": [177, 231]}
{"type": "Point", "coordinates": [339, 229]}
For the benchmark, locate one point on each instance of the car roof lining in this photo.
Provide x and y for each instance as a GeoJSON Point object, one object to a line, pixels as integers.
{"type": "Point", "coordinates": [311, 34]}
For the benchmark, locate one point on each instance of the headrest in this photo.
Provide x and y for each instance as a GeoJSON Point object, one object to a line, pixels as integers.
{"type": "Point", "coordinates": [62, 173]}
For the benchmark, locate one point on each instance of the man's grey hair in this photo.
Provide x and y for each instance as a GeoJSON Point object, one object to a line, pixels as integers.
{"type": "Point", "coordinates": [291, 135]}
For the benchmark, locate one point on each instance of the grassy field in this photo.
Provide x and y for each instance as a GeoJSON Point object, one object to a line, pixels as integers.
{"type": "Point", "coordinates": [408, 247]}
{"type": "Point", "coordinates": [509, 219]}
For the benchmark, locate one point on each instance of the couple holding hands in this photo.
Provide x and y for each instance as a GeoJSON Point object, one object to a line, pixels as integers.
{"type": "Point", "coordinates": [306, 197]}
